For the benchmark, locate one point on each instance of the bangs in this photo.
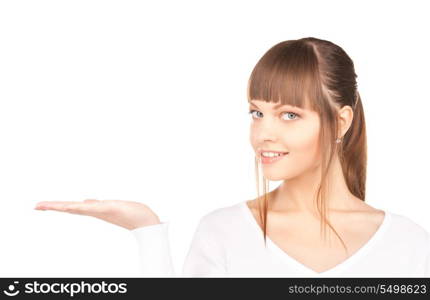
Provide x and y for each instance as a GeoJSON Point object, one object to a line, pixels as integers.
{"type": "Point", "coordinates": [288, 74]}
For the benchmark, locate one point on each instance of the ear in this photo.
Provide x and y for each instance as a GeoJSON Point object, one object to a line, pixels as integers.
{"type": "Point", "coordinates": [345, 116]}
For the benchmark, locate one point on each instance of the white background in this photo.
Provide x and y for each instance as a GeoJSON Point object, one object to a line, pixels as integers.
{"type": "Point", "coordinates": [146, 101]}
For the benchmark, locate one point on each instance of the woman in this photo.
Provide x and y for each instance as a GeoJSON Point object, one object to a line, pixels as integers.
{"type": "Point", "coordinates": [308, 130]}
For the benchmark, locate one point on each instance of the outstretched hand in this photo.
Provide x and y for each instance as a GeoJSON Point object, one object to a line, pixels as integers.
{"type": "Point", "coordinates": [127, 214]}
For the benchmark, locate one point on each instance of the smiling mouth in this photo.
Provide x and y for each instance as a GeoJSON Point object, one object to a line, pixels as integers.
{"type": "Point", "coordinates": [272, 159]}
{"type": "Point", "coordinates": [277, 154]}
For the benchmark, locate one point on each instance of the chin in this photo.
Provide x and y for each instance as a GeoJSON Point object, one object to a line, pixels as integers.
{"type": "Point", "coordinates": [275, 177]}
{"type": "Point", "coordinates": [285, 174]}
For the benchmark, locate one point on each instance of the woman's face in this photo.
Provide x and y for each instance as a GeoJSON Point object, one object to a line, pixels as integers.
{"type": "Point", "coordinates": [285, 129]}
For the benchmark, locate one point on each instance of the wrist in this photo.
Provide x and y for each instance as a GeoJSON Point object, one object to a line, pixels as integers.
{"type": "Point", "coordinates": [152, 221]}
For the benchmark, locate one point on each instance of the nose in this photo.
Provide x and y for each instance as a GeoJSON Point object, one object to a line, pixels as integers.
{"type": "Point", "coordinates": [266, 132]}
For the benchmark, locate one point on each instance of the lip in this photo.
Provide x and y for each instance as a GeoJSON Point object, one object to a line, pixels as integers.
{"type": "Point", "coordinates": [274, 151]}
{"type": "Point", "coordinates": [270, 160]}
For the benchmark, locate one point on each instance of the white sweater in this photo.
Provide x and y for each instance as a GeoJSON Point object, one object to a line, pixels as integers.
{"type": "Point", "coordinates": [228, 242]}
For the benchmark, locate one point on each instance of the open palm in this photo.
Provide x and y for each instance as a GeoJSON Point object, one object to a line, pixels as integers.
{"type": "Point", "coordinates": [127, 214]}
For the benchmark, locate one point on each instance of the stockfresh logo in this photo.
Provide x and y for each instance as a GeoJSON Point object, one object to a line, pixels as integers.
{"type": "Point", "coordinates": [12, 289]}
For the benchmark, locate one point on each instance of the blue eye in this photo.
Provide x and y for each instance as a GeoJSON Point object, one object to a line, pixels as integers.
{"type": "Point", "coordinates": [291, 113]}
{"type": "Point", "coordinates": [252, 111]}
{"type": "Point", "coordinates": [287, 112]}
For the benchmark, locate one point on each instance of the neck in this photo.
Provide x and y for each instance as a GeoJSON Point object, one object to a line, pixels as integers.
{"type": "Point", "coordinates": [299, 194]}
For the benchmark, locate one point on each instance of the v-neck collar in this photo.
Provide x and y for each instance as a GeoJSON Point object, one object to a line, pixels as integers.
{"type": "Point", "coordinates": [306, 270]}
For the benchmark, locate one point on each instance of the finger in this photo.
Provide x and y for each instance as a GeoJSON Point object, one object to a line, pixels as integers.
{"type": "Point", "coordinates": [45, 204]}
{"type": "Point", "coordinates": [51, 204]}
{"type": "Point", "coordinates": [74, 207]}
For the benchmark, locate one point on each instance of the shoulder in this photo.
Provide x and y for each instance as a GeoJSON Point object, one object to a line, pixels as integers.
{"type": "Point", "coordinates": [404, 227]}
{"type": "Point", "coordinates": [400, 226]}
{"type": "Point", "coordinates": [221, 218]}
{"type": "Point", "coordinates": [224, 213]}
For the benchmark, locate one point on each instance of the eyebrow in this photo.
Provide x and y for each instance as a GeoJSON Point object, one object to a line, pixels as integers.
{"type": "Point", "coordinates": [276, 106]}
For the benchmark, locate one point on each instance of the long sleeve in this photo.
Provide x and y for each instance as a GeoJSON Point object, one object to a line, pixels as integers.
{"type": "Point", "coordinates": [154, 250]}
{"type": "Point", "coordinates": [205, 257]}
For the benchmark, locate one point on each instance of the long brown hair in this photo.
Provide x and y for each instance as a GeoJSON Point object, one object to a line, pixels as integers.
{"type": "Point", "coordinates": [319, 75]}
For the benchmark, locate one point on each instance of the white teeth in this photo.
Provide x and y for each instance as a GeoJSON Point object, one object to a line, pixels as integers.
{"type": "Point", "coordinates": [271, 154]}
